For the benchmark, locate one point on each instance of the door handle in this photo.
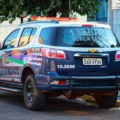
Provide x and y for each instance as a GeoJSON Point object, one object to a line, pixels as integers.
{"type": "Point", "coordinates": [25, 52]}
{"type": "Point", "coordinates": [9, 53]}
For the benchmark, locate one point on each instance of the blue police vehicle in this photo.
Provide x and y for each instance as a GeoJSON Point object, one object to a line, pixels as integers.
{"type": "Point", "coordinates": [52, 58]}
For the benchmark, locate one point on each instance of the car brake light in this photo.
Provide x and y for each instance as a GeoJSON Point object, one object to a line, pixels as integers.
{"type": "Point", "coordinates": [87, 25]}
{"type": "Point", "coordinates": [117, 57]}
{"type": "Point", "coordinates": [60, 54]}
{"type": "Point", "coordinates": [53, 53]}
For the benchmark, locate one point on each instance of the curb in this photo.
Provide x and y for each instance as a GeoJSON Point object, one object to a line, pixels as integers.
{"type": "Point", "coordinates": [92, 99]}
{"type": "Point", "coordinates": [118, 103]}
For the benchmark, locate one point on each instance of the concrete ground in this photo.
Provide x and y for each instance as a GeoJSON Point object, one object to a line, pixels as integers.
{"type": "Point", "coordinates": [12, 108]}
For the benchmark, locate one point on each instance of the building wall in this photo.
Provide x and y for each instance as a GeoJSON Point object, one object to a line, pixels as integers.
{"type": "Point", "coordinates": [102, 15]}
{"type": "Point", "coordinates": [6, 28]}
{"type": "Point", "coordinates": [114, 19]}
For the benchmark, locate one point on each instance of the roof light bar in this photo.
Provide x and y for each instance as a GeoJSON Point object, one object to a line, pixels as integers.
{"type": "Point", "coordinates": [33, 18]}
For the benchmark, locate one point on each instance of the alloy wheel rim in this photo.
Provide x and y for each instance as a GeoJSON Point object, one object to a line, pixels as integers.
{"type": "Point", "coordinates": [30, 92]}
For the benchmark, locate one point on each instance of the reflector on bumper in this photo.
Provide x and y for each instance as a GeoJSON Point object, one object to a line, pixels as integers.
{"type": "Point", "coordinates": [58, 82]}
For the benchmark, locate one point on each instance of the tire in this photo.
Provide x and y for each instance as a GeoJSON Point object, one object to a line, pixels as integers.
{"type": "Point", "coordinates": [33, 99]}
{"type": "Point", "coordinates": [106, 101]}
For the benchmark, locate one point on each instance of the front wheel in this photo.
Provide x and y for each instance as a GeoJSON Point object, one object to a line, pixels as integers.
{"type": "Point", "coordinates": [33, 99]}
{"type": "Point", "coordinates": [106, 101]}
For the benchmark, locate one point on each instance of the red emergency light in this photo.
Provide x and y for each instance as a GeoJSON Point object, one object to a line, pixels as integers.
{"type": "Point", "coordinates": [34, 18]}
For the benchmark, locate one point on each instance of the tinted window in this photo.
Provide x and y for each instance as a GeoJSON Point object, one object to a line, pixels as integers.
{"type": "Point", "coordinates": [10, 40]}
{"type": "Point", "coordinates": [27, 36]}
{"type": "Point", "coordinates": [46, 35]}
{"type": "Point", "coordinates": [32, 34]}
{"type": "Point", "coordinates": [79, 37]}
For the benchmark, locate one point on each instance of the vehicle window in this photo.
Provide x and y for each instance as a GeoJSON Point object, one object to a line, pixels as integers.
{"type": "Point", "coordinates": [32, 34]}
{"type": "Point", "coordinates": [10, 40]}
{"type": "Point", "coordinates": [27, 36]}
{"type": "Point", "coordinates": [79, 37]}
{"type": "Point", "coordinates": [45, 36]}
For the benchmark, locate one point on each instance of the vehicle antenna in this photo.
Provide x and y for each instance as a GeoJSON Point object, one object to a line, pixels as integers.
{"type": "Point", "coordinates": [69, 9]}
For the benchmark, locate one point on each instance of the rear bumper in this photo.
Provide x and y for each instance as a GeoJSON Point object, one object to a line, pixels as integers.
{"type": "Point", "coordinates": [82, 83]}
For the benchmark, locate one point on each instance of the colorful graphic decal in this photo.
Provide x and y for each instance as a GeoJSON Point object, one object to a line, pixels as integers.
{"type": "Point", "coordinates": [33, 56]}
{"type": "Point", "coordinates": [8, 61]}
{"type": "Point", "coordinates": [18, 60]}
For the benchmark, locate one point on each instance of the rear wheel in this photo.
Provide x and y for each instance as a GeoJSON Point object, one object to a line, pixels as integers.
{"type": "Point", "coordinates": [33, 99]}
{"type": "Point", "coordinates": [106, 101]}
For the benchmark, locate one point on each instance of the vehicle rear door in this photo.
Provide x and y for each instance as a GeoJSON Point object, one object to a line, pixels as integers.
{"type": "Point", "coordinates": [88, 50]}
{"type": "Point", "coordinates": [20, 54]}
{"type": "Point", "coordinates": [6, 61]}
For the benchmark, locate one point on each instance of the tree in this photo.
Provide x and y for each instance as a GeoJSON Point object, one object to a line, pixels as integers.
{"type": "Point", "coordinates": [11, 9]}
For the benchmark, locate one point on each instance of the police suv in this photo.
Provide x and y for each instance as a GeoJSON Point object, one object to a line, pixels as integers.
{"type": "Point", "coordinates": [52, 58]}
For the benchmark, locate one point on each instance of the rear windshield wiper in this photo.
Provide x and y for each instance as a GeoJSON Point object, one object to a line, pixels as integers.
{"type": "Point", "coordinates": [84, 45]}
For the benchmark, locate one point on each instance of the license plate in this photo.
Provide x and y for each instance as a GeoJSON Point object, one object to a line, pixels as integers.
{"type": "Point", "coordinates": [92, 61]}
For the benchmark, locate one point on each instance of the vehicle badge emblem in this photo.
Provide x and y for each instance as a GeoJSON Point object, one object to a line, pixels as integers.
{"type": "Point", "coordinates": [93, 50]}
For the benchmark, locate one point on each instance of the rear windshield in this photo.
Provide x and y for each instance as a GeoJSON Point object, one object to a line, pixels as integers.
{"type": "Point", "coordinates": [79, 37]}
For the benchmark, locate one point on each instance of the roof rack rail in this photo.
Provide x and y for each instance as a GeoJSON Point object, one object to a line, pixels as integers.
{"type": "Point", "coordinates": [43, 21]}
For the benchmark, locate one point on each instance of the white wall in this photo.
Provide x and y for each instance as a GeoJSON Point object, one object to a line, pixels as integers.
{"type": "Point", "coordinates": [114, 19]}
{"type": "Point", "coordinates": [6, 28]}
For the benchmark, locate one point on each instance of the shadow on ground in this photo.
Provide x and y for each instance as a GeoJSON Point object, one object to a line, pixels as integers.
{"type": "Point", "coordinates": [53, 105]}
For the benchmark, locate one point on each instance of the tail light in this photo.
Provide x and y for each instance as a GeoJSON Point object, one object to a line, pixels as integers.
{"type": "Point", "coordinates": [117, 57]}
{"type": "Point", "coordinates": [53, 53]}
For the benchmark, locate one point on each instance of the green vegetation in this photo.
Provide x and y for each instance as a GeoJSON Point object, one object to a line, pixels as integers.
{"type": "Point", "coordinates": [11, 9]}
